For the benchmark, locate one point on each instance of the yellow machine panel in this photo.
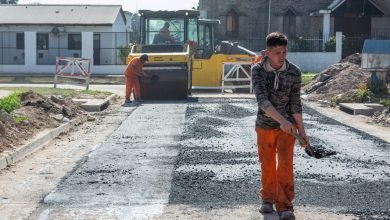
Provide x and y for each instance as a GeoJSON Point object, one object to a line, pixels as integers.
{"type": "Point", "coordinates": [162, 57]}
{"type": "Point", "coordinates": [208, 72]}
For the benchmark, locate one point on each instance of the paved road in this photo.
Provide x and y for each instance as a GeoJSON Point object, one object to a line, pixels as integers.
{"type": "Point", "coordinates": [198, 160]}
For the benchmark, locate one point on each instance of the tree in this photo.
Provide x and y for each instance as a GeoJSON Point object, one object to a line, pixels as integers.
{"type": "Point", "coordinates": [8, 1]}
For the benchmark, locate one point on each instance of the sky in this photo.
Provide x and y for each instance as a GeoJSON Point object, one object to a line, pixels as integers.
{"type": "Point", "coordinates": [127, 5]}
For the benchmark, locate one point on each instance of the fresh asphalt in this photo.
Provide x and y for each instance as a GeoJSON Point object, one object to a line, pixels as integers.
{"type": "Point", "coordinates": [202, 153]}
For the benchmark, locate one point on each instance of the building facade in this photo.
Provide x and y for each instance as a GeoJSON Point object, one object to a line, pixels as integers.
{"type": "Point", "coordinates": [251, 20]}
{"type": "Point", "coordinates": [32, 36]}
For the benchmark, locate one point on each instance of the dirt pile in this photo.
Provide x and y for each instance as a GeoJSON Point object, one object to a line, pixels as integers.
{"type": "Point", "coordinates": [354, 58]}
{"type": "Point", "coordinates": [340, 80]}
{"type": "Point", "coordinates": [37, 113]}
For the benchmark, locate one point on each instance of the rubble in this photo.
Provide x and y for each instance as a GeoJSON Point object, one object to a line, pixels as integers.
{"type": "Point", "coordinates": [382, 117]}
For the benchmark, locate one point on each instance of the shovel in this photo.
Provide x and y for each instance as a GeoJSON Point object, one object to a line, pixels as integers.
{"type": "Point", "coordinates": [317, 152]}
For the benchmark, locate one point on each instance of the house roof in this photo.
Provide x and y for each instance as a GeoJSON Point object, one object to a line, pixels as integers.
{"type": "Point", "coordinates": [304, 7]}
{"type": "Point", "coordinates": [380, 5]}
{"type": "Point", "coordinates": [84, 15]}
{"type": "Point", "coordinates": [300, 7]}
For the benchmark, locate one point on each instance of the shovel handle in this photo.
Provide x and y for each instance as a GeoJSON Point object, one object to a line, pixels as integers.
{"type": "Point", "coordinates": [299, 138]}
{"type": "Point", "coordinates": [303, 142]}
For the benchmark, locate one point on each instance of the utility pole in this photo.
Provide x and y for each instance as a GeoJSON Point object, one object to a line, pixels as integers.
{"type": "Point", "coordinates": [269, 16]}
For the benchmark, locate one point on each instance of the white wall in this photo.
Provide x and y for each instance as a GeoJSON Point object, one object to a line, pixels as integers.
{"type": "Point", "coordinates": [119, 24]}
{"type": "Point", "coordinates": [31, 66]}
{"type": "Point", "coordinates": [317, 61]}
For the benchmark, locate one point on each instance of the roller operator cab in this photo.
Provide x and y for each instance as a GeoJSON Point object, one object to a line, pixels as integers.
{"type": "Point", "coordinates": [167, 37]}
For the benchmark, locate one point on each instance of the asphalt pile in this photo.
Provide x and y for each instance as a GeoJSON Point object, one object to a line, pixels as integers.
{"type": "Point", "coordinates": [340, 80]}
{"type": "Point", "coordinates": [319, 151]}
{"type": "Point", "coordinates": [36, 113]}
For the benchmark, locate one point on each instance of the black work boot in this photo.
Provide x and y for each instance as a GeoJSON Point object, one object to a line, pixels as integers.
{"type": "Point", "coordinates": [287, 215]}
{"type": "Point", "coordinates": [266, 207]}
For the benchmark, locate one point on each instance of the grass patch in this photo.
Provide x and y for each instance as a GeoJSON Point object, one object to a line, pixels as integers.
{"type": "Point", "coordinates": [306, 79]}
{"type": "Point", "coordinates": [57, 91]}
{"type": "Point", "coordinates": [10, 102]}
{"type": "Point", "coordinates": [20, 119]}
{"type": "Point", "coordinates": [309, 74]}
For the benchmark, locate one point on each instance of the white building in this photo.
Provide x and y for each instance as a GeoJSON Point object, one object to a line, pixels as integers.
{"type": "Point", "coordinates": [32, 36]}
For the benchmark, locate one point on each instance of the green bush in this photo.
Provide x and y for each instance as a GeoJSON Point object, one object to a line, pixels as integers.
{"type": "Point", "coordinates": [386, 103]}
{"type": "Point", "coordinates": [10, 103]}
{"type": "Point", "coordinates": [124, 52]}
{"type": "Point", "coordinates": [363, 94]}
{"type": "Point", "coordinates": [330, 45]}
{"type": "Point", "coordinates": [334, 100]}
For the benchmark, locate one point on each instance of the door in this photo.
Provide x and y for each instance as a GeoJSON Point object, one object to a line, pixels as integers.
{"type": "Point", "coordinates": [96, 49]}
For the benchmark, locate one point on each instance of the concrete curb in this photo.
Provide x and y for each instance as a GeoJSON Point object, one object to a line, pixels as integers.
{"type": "Point", "coordinates": [8, 158]}
{"type": "Point", "coordinates": [96, 105]}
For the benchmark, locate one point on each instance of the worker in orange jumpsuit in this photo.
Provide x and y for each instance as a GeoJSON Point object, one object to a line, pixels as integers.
{"type": "Point", "coordinates": [132, 72]}
{"type": "Point", "coordinates": [277, 85]}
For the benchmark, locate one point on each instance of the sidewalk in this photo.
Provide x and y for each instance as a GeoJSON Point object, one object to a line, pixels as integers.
{"type": "Point", "coordinates": [359, 122]}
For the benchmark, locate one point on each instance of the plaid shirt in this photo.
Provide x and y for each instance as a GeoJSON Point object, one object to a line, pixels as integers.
{"type": "Point", "coordinates": [279, 89]}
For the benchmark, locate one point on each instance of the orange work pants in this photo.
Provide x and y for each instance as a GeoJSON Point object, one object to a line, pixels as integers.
{"type": "Point", "coordinates": [277, 181]}
{"type": "Point", "coordinates": [132, 82]}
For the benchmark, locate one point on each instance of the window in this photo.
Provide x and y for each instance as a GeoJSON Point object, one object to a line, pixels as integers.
{"type": "Point", "coordinates": [74, 41]}
{"type": "Point", "coordinates": [164, 31]}
{"type": "Point", "coordinates": [20, 41]}
{"type": "Point", "coordinates": [232, 24]}
{"type": "Point", "coordinates": [205, 35]}
{"type": "Point", "coordinates": [193, 30]}
{"type": "Point", "coordinates": [289, 24]}
{"type": "Point", "coordinates": [42, 41]}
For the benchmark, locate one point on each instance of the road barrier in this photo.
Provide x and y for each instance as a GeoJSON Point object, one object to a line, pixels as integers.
{"type": "Point", "coordinates": [63, 64]}
{"type": "Point", "coordinates": [234, 74]}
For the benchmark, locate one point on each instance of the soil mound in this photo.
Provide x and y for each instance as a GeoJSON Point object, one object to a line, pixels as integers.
{"type": "Point", "coordinates": [342, 80]}
{"type": "Point", "coordinates": [36, 114]}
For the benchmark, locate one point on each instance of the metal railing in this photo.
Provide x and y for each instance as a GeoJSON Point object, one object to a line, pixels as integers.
{"type": "Point", "coordinates": [11, 53]}
{"type": "Point", "coordinates": [301, 43]}
{"type": "Point", "coordinates": [354, 44]}
{"type": "Point", "coordinates": [237, 75]}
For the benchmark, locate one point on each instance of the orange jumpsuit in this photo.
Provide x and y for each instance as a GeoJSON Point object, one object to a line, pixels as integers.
{"type": "Point", "coordinates": [133, 68]}
{"type": "Point", "coordinates": [277, 181]}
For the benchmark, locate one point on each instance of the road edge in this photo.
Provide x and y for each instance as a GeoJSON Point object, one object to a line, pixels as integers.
{"type": "Point", "coordinates": [10, 158]}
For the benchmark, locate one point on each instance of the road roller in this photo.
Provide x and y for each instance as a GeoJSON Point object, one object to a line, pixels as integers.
{"type": "Point", "coordinates": [167, 37]}
{"type": "Point", "coordinates": [182, 53]}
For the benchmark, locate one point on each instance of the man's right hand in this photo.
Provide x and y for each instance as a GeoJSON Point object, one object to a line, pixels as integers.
{"type": "Point", "coordinates": [287, 126]}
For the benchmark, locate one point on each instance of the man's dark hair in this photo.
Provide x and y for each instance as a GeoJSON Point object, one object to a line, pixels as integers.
{"type": "Point", "coordinates": [276, 39]}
